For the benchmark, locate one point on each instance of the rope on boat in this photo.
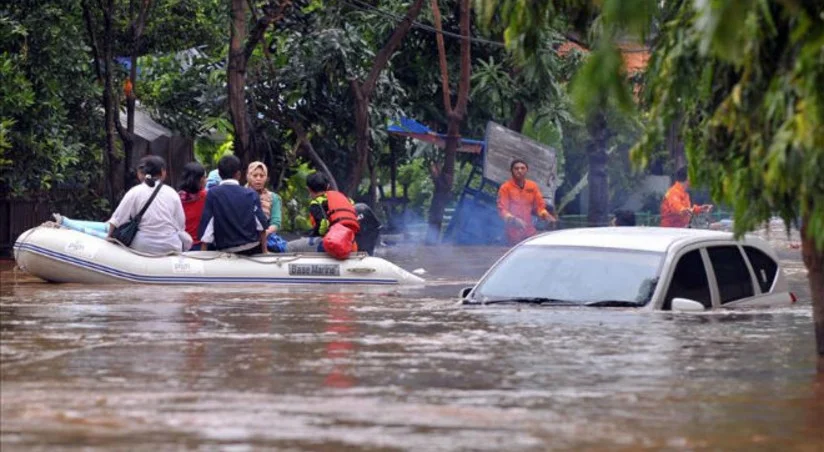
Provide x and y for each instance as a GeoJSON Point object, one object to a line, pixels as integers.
{"type": "Point", "coordinates": [22, 239]}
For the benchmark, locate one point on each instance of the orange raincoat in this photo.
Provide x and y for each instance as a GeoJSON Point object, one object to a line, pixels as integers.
{"type": "Point", "coordinates": [514, 201]}
{"type": "Point", "coordinates": [672, 207]}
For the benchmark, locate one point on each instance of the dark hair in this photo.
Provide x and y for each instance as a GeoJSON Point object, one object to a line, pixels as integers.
{"type": "Point", "coordinates": [228, 166]}
{"type": "Point", "coordinates": [624, 218]}
{"type": "Point", "coordinates": [515, 162]}
{"type": "Point", "coordinates": [152, 166]}
{"type": "Point", "coordinates": [317, 182]}
{"type": "Point", "coordinates": [192, 174]}
{"type": "Point", "coordinates": [681, 174]}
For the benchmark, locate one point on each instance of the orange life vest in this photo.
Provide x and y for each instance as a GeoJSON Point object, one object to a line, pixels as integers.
{"type": "Point", "coordinates": [340, 210]}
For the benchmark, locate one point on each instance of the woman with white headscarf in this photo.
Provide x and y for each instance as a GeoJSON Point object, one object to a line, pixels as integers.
{"type": "Point", "coordinates": [256, 176]}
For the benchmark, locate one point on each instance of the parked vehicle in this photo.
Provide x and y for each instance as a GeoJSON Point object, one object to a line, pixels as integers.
{"type": "Point", "coordinates": [641, 267]}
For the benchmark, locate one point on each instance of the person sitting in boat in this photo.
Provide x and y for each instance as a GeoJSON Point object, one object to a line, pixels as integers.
{"type": "Point", "coordinates": [162, 228]}
{"type": "Point", "coordinates": [233, 219]}
{"type": "Point", "coordinates": [327, 208]}
{"type": "Point", "coordinates": [256, 177]}
{"type": "Point", "coordinates": [193, 197]}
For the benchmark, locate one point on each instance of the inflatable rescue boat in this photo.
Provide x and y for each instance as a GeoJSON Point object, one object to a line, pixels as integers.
{"type": "Point", "coordinates": [63, 255]}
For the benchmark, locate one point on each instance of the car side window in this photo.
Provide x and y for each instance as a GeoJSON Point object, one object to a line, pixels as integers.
{"type": "Point", "coordinates": [764, 266]}
{"type": "Point", "coordinates": [731, 273]}
{"type": "Point", "coordinates": [689, 280]}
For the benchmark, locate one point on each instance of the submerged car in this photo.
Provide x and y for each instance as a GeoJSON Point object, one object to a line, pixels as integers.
{"type": "Point", "coordinates": [642, 267]}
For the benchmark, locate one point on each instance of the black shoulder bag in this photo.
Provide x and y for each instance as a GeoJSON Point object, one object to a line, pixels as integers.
{"type": "Point", "coordinates": [125, 232]}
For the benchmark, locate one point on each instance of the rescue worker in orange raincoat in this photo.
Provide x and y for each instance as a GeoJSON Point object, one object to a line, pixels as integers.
{"type": "Point", "coordinates": [676, 207]}
{"type": "Point", "coordinates": [518, 198]}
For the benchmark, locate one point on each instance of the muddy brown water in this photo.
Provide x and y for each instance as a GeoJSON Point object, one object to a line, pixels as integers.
{"type": "Point", "coordinates": [354, 368]}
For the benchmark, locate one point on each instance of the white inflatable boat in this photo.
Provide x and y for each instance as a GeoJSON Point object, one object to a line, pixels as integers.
{"type": "Point", "coordinates": [63, 255]}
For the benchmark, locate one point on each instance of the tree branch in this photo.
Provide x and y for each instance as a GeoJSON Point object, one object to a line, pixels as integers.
{"type": "Point", "coordinates": [385, 53]}
{"type": "Point", "coordinates": [87, 18]}
{"type": "Point", "coordinates": [141, 19]}
{"type": "Point", "coordinates": [447, 103]}
{"type": "Point", "coordinates": [271, 13]}
{"type": "Point", "coordinates": [122, 133]}
{"type": "Point", "coordinates": [303, 141]}
{"type": "Point", "coordinates": [466, 62]}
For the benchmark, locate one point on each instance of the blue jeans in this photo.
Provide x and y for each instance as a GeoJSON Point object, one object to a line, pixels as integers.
{"type": "Point", "coordinates": [95, 228]}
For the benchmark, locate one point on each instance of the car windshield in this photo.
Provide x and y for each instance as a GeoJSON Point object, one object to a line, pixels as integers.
{"type": "Point", "coordinates": [573, 274]}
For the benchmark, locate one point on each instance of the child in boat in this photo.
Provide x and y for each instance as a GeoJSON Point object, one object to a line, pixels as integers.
{"type": "Point", "coordinates": [193, 197]}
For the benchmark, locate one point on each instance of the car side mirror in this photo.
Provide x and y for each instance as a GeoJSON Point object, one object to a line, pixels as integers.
{"type": "Point", "coordinates": [465, 292]}
{"type": "Point", "coordinates": [686, 305]}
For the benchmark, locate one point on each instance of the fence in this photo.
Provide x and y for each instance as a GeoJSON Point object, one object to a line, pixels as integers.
{"type": "Point", "coordinates": [17, 216]}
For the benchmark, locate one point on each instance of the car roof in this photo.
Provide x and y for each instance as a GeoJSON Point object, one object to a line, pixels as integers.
{"type": "Point", "coordinates": [639, 238]}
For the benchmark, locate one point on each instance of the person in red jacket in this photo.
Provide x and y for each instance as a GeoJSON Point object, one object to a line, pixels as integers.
{"type": "Point", "coordinates": [193, 197]}
{"type": "Point", "coordinates": [518, 198]}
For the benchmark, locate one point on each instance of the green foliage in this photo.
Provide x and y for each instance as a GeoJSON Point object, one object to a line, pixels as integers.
{"type": "Point", "coordinates": [604, 69]}
{"type": "Point", "coordinates": [753, 122]}
{"type": "Point", "coordinates": [185, 90]}
{"type": "Point", "coordinates": [210, 149]}
{"type": "Point", "coordinates": [48, 123]}
{"type": "Point", "coordinates": [417, 184]}
{"type": "Point", "coordinates": [296, 199]}
{"type": "Point", "coordinates": [415, 177]}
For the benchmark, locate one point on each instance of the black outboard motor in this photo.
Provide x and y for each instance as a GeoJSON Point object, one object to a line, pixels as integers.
{"type": "Point", "coordinates": [370, 228]}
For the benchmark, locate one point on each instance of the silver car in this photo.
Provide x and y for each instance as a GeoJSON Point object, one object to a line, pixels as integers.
{"type": "Point", "coordinates": [643, 267]}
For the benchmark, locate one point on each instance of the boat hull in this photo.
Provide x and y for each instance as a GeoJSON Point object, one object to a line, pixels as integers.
{"type": "Point", "coordinates": [67, 256]}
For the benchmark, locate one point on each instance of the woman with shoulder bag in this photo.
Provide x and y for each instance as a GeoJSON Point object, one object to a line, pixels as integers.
{"type": "Point", "coordinates": [162, 226]}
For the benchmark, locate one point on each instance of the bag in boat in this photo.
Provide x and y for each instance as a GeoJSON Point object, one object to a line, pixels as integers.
{"type": "Point", "coordinates": [125, 232]}
{"type": "Point", "coordinates": [338, 241]}
{"type": "Point", "coordinates": [276, 244]}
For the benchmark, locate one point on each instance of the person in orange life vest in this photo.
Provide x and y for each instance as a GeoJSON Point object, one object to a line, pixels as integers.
{"type": "Point", "coordinates": [326, 208]}
{"type": "Point", "coordinates": [518, 198]}
{"type": "Point", "coordinates": [676, 207]}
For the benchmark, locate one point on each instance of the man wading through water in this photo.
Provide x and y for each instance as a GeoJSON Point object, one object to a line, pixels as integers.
{"type": "Point", "coordinates": [676, 207]}
{"type": "Point", "coordinates": [518, 198]}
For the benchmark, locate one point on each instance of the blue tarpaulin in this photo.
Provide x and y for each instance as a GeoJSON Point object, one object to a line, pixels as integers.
{"type": "Point", "coordinates": [410, 128]}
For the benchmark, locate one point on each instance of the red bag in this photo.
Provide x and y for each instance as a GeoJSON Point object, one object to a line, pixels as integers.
{"type": "Point", "coordinates": [338, 241]}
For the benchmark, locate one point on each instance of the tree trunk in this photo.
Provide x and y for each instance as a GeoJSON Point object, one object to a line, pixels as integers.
{"type": "Point", "coordinates": [128, 143]}
{"type": "Point", "coordinates": [393, 167]}
{"type": "Point", "coordinates": [236, 78]}
{"type": "Point", "coordinates": [114, 161]}
{"type": "Point", "coordinates": [597, 179]}
{"type": "Point", "coordinates": [445, 178]}
{"type": "Point", "coordinates": [136, 29]}
{"type": "Point", "coordinates": [306, 144]}
{"type": "Point", "coordinates": [361, 139]}
{"type": "Point", "coordinates": [372, 200]}
{"type": "Point", "coordinates": [443, 183]}
{"type": "Point", "coordinates": [363, 94]}
{"type": "Point", "coordinates": [112, 167]}
{"type": "Point", "coordinates": [814, 261]}
{"type": "Point", "coordinates": [675, 146]}
{"type": "Point", "coordinates": [518, 117]}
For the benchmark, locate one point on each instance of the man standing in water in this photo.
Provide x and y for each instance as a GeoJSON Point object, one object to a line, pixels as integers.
{"type": "Point", "coordinates": [676, 207]}
{"type": "Point", "coordinates": [518, 198]}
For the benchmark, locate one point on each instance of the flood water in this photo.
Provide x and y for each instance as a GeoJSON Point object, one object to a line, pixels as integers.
{"type": "Point", "coordinates": [330, 368]}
